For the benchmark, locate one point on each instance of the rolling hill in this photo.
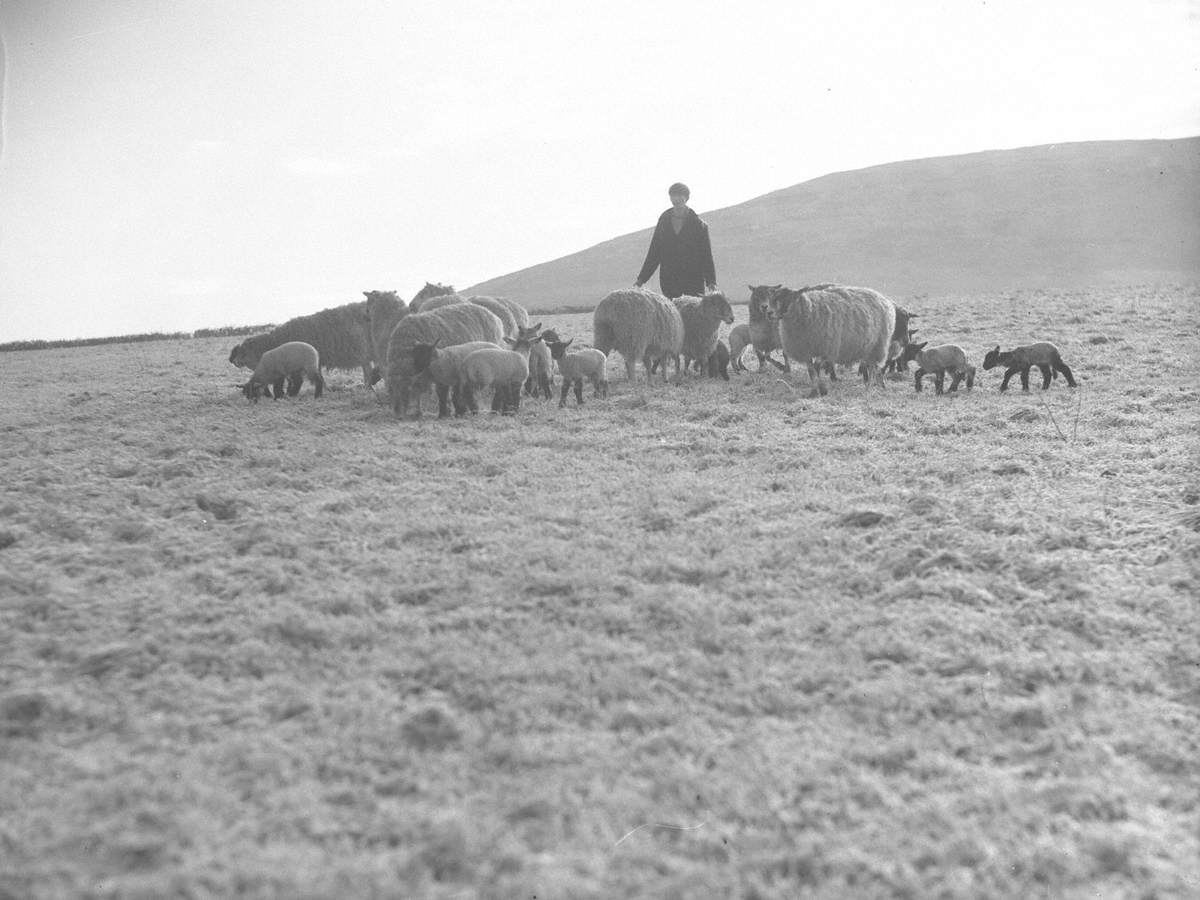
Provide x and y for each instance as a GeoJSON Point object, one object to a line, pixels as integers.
{"type": "Point", "coordinates": [1059, 215]}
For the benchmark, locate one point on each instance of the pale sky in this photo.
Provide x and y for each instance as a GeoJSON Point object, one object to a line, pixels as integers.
{"type": "Point", "coordinates": [170, 165]}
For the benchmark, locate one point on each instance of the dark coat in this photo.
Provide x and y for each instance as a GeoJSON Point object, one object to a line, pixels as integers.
{"type": "Point", "coordinates": [684, 260]}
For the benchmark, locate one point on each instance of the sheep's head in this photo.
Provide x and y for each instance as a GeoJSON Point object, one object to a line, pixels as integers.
{"type": "Point", "coordinates": [423, 355]}
{"type": "Point", "coordinates": [779, 302]}
{"type": "Point", "coordinates": [432, 289]}
{"type": "Point", "coordinates": [910, 351]}
{"type": "Point", "coordinates": [557, 348]}
{"type": "Point", "coordinates": [550, 336]}
{"type": "Point", "coordinates": [252, 390]}
{"type": "Point", "coordinates": [716, 306]}
{"type": "Point", "coordinates": [992, 359]}
{"type": "Point", "coordinates": [760, 295]}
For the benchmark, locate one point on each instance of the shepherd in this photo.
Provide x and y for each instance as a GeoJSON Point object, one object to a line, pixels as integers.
{"type": "Point", "coordinates": [680, 250]}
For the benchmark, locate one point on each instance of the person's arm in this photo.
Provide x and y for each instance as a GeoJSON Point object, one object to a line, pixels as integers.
{"type": "Point", "coordinates": [710, 269]}
{"type": "Point", "coordinates": [653, 255]}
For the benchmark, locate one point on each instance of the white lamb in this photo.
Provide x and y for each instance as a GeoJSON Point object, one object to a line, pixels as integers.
{"type": "Point", "coordinates": [291, 362]}
{"type": "Point", "coordinates": [587, 362]}
{"type": "Point", "coordinates": [937, 361]}
{"type": "Point", "coordinates": [505, 371]}
{"type": "Point", "coordinates": [443, 365]}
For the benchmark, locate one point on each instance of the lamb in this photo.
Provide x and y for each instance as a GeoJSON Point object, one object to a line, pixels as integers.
{"type": "Point", "coordinates": [502, 370]}
{"type": "Point", "coordinates": [638, 324]}
{"type": "Point", "coordinates": [739, 340]}
{"type": "Point", "coordinates": [577, 365]}
{"type": "Point", "coordinates": [443, 366]}
{"type": "Point", "coordinates": [541, 366]}
{"type": "Point", "coordinates": [764, 333]}
{"type": "Point", "coordinates": [291, 361]}
{"type": "Point", "coordinates": [718, 362]}
{"type": "Point", "coordinates": [702, 317]}
{"type": "Point", "coordinates": [444, 327]}
{"type": "Point", "coordinates": [384, 311]}
{"type": "Point", "coordinates": [835, 324]}
{"type": "Point", "coordinates": [1043, 354]}
{"type": "Point", "coordinates": [902, 335]}
{"type": "Point", "coordinates": [340, 334]}
{"type": "Point", "coordinates": [937, 361]}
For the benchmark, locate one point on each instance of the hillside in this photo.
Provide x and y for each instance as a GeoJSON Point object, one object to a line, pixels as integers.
{"type": "Point", "coordinates": [1082, 214]}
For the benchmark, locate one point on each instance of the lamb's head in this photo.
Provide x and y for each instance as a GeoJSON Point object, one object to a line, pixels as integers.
{"type": "Point", "coordinates": [526, 337]}
{"type": "Point", "coordinates": [550, 336]}
{"type": "Point", "coordinates": [760, 295]}
{"type": "Point", "coordinates": [992, 359]}
{"type": "Point", "coordinates": [910, 351]}
{"type": "Point", "coordinates": [779, 302]}
{"type": "Point", "coordinates": [252, 390]}
{"type": "Point", "coordinates": [423, 356]}
{"type": "Point", "coordinates": [715, 305]}
{"type": "Point", "coordinates": [558, 349]}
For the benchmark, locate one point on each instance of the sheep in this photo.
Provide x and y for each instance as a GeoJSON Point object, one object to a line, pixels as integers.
{"type": "Point", "coordinates": [443, 366]}
{"type": "Point", "coordinates": [1043, 354]}
{"type": "Point", "coordinates": [764, 333]}
{"type": "Point", "coordinates": [384, 310]}
{"type": "Point", "coordinates": [638, 324]}
{"type": "Point", "coordinates": [902, 335]}
{"type": "Point", "coordinates": [937, 361]}
{"type": "Point", "coordinates": [511, 313]}
{"type": "Point", "coordinates": [340, 334]}
{"type": "Point", "coordinates": [445, 327]}
{"type": "Point", "coordinates": [739, 340]}
{"type": "Point", "coordinates": [702, 316]}
{"type": "Point", "coordinates": [291, 361]}
{"type": "Point", "coordinates": [834, 324]}
{"type": "Point", "coordinates": [502, 370]}
{"type": "Point", "coordinates": [587, 362]}
{"type": "Point", "coordinates": [431, 289]}
{"type": "Point", "coordinates": [541, 369]}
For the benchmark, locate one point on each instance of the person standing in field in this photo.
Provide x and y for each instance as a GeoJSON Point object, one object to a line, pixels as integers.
{"type": "Point", "coordinates": [680, 250]}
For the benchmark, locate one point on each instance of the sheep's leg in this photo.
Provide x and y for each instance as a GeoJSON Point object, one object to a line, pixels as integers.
{"type": "Point", "coordinates": [1025, 379]}
{"type": "Point", "coordinates": [578, 382]}
{"type": "Point", "coordinates": [939, 381]}
{"type": "Point", "coordinates": [631, 366]}
{"type": "Point", "coordinates": [955, 381]}
{"type": "Point", "coordinates": [498, 392]}
{"type": "Point", "coordinates": [278, 385]}
{"type": "Point", "coordinates": [970, 377]}
{"type": "Point", "coordinates": [566, 389]}
{"type": "Point", "coordinates": [1062, 367]}
{"type": "Point", "coordinates": [917, 379]}
{"type": "Point", "coordinates": [443, 395]}
{"type": "Point", "coordinates": [1008, 373]}
{"type": "Point", "coordinates": [1045, 375]}
{"type": "Point", "coordinates": [318, 384]}
{"type": "Point", "coordinates": [512, 403]}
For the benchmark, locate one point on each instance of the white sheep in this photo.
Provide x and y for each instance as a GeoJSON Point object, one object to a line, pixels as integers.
{"type": "Point", "coordinates": [443, 366]}
{"type": "Point", "coordinates": [505, 371]}
{"type": "Point", "coordinates": [586, 362]}
{"type": "Point", "coordinates": [1043, 354]}
{"type": "Point", "coordinates": [292, 362]}
{"type": "Point", "coordinates": [385, 309]}
{"type": "Point", "coordinates": [702, 317]}
{"type": "Point", "coordinates": [541, 370]}
{"type": "Point", "coordinates": [739, 340]}
{"type": "Point", "coordinates": [834, 324]}
{"type": "Point", "coordinates": [764, 333]}
{"type": "Point", "coordinates": [638, 324]}
{"type": "Point", "coordinates": [937, 361]}
{"type": "Point", "coordinates": [444, 327]}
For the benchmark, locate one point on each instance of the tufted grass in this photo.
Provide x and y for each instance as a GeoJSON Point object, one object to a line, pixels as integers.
{"type": "Point", "coordinates": [700, 640]}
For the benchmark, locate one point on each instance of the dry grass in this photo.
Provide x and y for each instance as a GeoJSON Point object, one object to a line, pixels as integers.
{"type": "Point", "coordinates": [702, 640]}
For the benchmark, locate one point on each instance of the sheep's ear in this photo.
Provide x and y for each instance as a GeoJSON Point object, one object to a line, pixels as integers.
{"type": "Point", "coordinates": [568, 343]}
{"type": "Point", "coordinates": [922, 345]}
{"type": "Point", "coordinates": [508, 340]}
{"type": "Point", "coordinates": [537, 327]}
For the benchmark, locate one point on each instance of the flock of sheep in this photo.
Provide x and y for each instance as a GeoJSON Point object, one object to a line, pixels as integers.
{"type": "Point", "coordinates": [462, 346]}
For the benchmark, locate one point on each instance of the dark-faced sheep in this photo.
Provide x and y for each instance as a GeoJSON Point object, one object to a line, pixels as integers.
{"type": "Point", "coordinates": [764, 333]}
{"type": "Point", "coordinates": [938, 361]}
{"type": "Point", "coordinates": [446, 326]}
{"type": "Point", "coordinates": [576, 366]}
{"type": "Point", "coordinates": [835, 324]}
{"type": "Point", "coordinates": [702, 317]}
{"type": "Point", "coordinates": [340, 334]}
{"type": "Point", "coordinates": [640, 325]}
{"type": "Point", "coordinates": [291, 362]}
{"type": "Point", "coordinates": [385, 309]}
{"type": "Point", "coordinates": [1043, 354]}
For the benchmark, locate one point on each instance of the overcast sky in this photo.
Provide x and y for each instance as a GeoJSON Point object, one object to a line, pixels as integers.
{"type": "Point", "coordinates": [183, 164]}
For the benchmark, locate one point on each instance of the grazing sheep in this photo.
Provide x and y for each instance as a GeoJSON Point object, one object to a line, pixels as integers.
{"type": "Point", "coordinates": [443, 366]}
{"type": "Point", "coordinates": [764, 333]}
{"type": "Point", "coordinates": [718, 361]}
{"type": "Point", "coordinates": [577, 365]}
{"type": "Point", "coordinates": [292, 362]}
{"type": "Point", "coordinates": [384, 310]}
{"type": "Point", "coordinates": [340, 334]}
{"type": "Point", "coordinates": [638, 324]}
{"type": "Point", "coordinates": [443, 327]}
{"type": "Point", "coordinates": [702, 317]}
{"type": "Point", "coordinates": [541, 366]}
{"type": "Point", "coordinates": [1043, 354]}
{"type": "Point", "coordinates": [835, 324]}
{"type": "Point", "coordinates": [739, 340]}
{"type": "Point", "coordinates": [430, 290]}
{"type": "Point", "coordinates": [502, 370]}
{"type": "Point", "coordinates": [937, 361]}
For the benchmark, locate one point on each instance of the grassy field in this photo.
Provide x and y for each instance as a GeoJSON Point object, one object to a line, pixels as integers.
{"type": "Point", "coordinates": [698, 640]}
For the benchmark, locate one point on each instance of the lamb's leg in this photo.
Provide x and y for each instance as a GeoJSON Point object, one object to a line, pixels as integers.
{"type": "Point", "coordinates": [443, 395]}
{"type": "Point", "coordinates": [1009, 373]}
{"type": "Point", "coordinates": [578, 382]}
{"type": "Point", "coordinates": [566, 389]}
{"type": "Point", "coordinates": [278, 385]}
{"type": "Point", "coordinates": [955, 381]}
{"type": "Point", "coordinates": [917, 379]}
{"type": "Point", "coordinates": [1062, 367]}
{"type": "Point", "coordinates": [498, 397]}
{"type": "Point", "coordinates": [1045, 375]}
{"type": "Point", "coordinates": [318, 384]}
{"type": "Point", "coordinates": [939, 379]}
{"type": "Point", "coordinates": [970, 378]}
